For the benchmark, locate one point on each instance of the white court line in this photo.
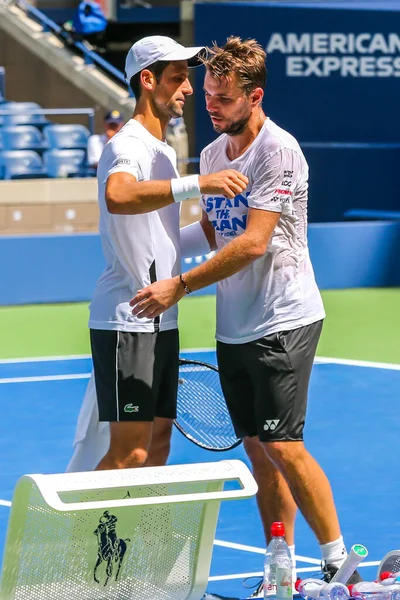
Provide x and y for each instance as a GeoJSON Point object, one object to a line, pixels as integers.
{"type": "Point", "coordinates": [5, 503]}
{"type": "Point", "coordinates": [257, 550]}
{"type": "Point", "coordinates": [298, 570]}
{"type": "Point", "coordinates": [235, 576]}
{"type": "Point", "coordinates": [356, 363]}
{"type": "Point", "coordinates": [239, 547]}
{"type": "Point", "coordinates": [194, 350]}
{"type": "Point", "coordinates": [45, 378]}
{"type": "Point", "coordinates": [318, 359]}
{"type": "Point", "coordinates": [257, 574]}
{"type": "Point", "coordinates": [29, 359]}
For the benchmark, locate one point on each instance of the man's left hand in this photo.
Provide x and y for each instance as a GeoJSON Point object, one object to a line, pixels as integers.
{"type": "Point", "coordinates": [156, 298]}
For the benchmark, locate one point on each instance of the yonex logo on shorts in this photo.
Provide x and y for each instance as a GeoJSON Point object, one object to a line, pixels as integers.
{"type": "Point", "coordinates": [129, 408]}
{"type": "Point", "coordinates": [271, 425]}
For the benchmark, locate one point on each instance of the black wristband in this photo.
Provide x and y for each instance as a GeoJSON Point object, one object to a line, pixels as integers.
{"type": "Point", "coordinates": [187, 290]}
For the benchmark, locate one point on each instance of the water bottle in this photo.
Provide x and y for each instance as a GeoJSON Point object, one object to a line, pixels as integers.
{"type": "Point", "coordinates": [372, 590]}
{"type": "Point", "coordinates": [278, 566]}
{"type": "Point", "coordinates": [317, 589]}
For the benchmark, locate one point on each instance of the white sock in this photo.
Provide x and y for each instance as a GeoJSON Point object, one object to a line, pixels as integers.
{"type": "Point", "coordinates": [334, 553]}
{"type": "Point", "coordinates": [294, 572]}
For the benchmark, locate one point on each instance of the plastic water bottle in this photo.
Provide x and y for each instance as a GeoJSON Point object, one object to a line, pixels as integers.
{"type": "Point", "coordinates": [278, 566]}
{"type": "Point", "coordinates": [372, 590]}
{"type": "Point", "coordinates": [317, 589]}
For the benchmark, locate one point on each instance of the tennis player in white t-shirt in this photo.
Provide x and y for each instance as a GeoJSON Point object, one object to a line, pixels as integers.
{"type": "Point", "coordinates": [135, 360]}
{"type": "Point", "coordinates": [269, 309]}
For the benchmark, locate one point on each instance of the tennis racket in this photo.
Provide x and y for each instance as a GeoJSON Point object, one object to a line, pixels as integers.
{"type": "Point", "coordinates": [202, 414]}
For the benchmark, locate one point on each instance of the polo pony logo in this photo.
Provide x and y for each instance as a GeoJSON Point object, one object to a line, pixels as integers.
{"type": "Point", "coordinates": [111, 549]}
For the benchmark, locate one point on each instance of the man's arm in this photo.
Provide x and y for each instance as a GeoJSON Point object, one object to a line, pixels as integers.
{"type": "Point", "coordinates": [198, 238]}
{"type": "Point", "coordinates": [125, 195]}
{"type": "Point", "coordinates": [209, 230]}
{"type": "Point", "coordinates": [238, 254]}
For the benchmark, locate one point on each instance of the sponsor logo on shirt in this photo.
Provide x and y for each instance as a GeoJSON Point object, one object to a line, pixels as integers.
{"type": "Point", "coordinates": [288, 192]}
{"type": "Point", "coordinates": [222, 219]}
{"type": "Point", "coordinates": [122, 161]}
{"type": "Point", "coordinates": [271, 425]}
{"type": "Point", "coordinates": [129, 408]}
{"type": "Point", "coordinates": [283, 193]}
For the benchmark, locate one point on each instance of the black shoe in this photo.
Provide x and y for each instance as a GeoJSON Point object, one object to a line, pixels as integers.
{"type": "Point", "coordinates": [328, 572]}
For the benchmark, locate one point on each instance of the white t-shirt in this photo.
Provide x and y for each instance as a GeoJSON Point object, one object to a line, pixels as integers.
{"type": "Point", "coordinates": [138, 249]}
{"type": "Point", "coordinates": [277, 292]}
{"type": "Point", "coordinates": [95, 147]}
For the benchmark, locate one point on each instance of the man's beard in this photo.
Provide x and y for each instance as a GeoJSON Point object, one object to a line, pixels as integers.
{"type": "Point", "coordinates": [175, 111]}
{"type": "Point", "coordinates": [235, 128]}
{"type": "Point", "coordinates": [171, 111]}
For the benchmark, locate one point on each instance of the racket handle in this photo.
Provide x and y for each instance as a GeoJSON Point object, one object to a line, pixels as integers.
{"type": "Point", "coordinates": [357, 553]}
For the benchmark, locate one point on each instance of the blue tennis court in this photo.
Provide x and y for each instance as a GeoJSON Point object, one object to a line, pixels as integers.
{"type": "Point", "coordinates": [353, 430]}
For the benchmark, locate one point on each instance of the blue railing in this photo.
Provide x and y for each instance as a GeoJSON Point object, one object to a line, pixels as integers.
{"type": "Point", "coordinates": [58, 111]}
{"type": "Point", "coordinates": [90, 57]}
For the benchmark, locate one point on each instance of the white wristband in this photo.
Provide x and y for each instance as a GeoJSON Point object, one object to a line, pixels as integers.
{"type": "Point", "coordinates": [193, 241]}
{"type": "Point", "coordinates": [184, 188]}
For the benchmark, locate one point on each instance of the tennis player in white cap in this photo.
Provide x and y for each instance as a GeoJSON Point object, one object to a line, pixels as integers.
{"type": "Point", "coordinates": [135, 360]}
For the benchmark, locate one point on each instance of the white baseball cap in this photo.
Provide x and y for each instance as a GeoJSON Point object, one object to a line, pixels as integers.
{"type": "Point", "coordinates": [150, 49]}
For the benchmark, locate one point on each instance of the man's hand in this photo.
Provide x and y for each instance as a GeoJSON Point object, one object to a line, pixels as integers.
{"type": "Point", "coordinates": [156, 298]}
{"type": "Point", "coordinates": [227, 183]}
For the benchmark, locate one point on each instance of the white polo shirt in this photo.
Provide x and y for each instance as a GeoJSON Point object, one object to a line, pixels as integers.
{"type": "Point", "coordinates": [278, 291]}
{"type": "Point", "coordinates": [138, 249]}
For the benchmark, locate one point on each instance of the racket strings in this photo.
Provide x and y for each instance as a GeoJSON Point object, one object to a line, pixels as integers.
{"type": "Point", "coordinates": [202, 411]}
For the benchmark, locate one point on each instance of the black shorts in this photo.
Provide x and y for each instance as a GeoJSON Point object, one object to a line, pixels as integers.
{"type": "Point", "coordinates": [265, 383]}
{"type": "Point", "coordinates": [136, 374]}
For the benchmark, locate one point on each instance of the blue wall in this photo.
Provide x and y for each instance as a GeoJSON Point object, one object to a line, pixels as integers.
{"type": "Point", "coordinates": [305, 93]}
{"type": "Point", "coordinates": [64, 268]}
{"type": "Point", "coordinates": [333, 77]}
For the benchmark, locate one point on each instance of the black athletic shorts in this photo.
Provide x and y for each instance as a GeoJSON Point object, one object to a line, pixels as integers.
{"type": "Point", "coordinates": [265, 382]}
{"type": "Point", "coordinates": [136, 374]}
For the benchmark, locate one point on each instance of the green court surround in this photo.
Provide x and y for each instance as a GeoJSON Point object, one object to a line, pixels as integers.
{"type": "Point", "coordinates": [361, 324]}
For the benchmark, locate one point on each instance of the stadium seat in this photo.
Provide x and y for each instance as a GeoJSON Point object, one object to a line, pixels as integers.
{"type": "Point", "coordinates": [24, 137]}
{"type": "Point", "coordinates": [5, 106]}
{"type": "Point", "coordinates": [23, 114]}
{"type": "Point", "coordinates": [21, 164]}
{"type": "Point", "coordinates": [67, 137]}
{"type": "Point", "coordinates": [64, 163]}
{"type": "Point", "coordinates": [137, 534]}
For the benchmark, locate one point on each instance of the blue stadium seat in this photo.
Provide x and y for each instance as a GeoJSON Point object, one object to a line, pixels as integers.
{"type": "Point", "coordinates": [67, 137]}
{"type": "Point", "coordinates": [64, 163]}
{"type": "Point", "coordinates": [21, 164]}
{"type": "Point", "coordinates": [24, 137]}
{"type": "Point", "coordinates": [5, 106]}
{"type": "Point", "coordinates": [23, 114]}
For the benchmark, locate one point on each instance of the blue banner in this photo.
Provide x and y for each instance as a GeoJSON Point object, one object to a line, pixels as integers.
{"type": "Point", "coordinates": [333, 73]}
{"type": "Point", "coordinates": [333, 82]}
